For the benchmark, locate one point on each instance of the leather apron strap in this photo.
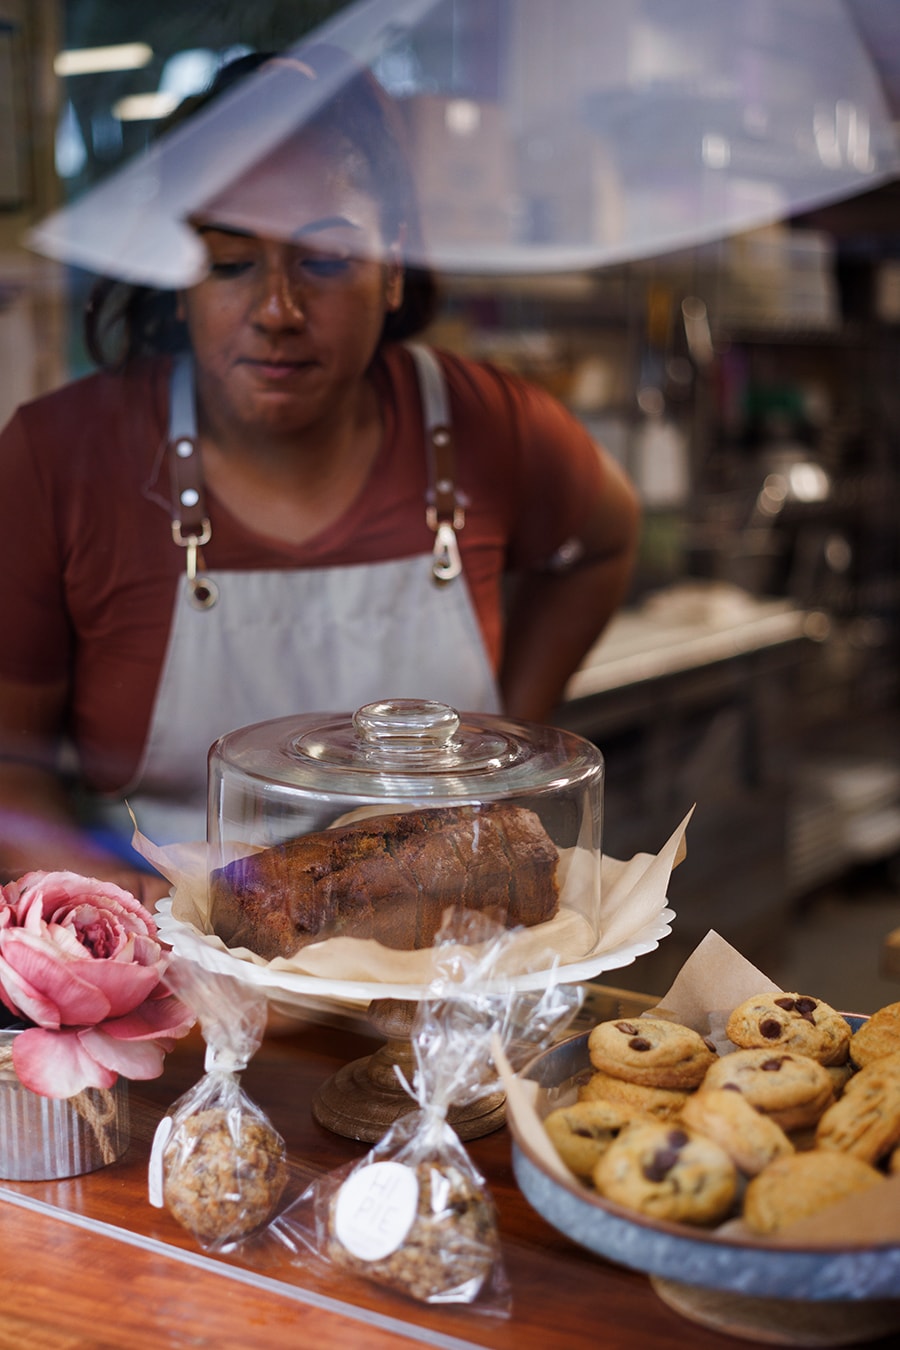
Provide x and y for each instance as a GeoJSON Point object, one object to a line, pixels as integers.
{"type": "Point", "coordinates": [445, 509]}
{"type": "Point", "coordinates": [191, 528]}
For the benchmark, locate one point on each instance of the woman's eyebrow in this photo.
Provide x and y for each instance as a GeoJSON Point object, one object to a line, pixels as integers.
{"type": "Point", "coordinates": [310, 227]}
{"type": "Point", "coordinates": [212, 228]}
{"type": "Point", "coordinates": [325, 223]}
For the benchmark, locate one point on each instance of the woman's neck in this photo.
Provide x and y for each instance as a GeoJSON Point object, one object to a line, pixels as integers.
{"type": "Point", "coordinates": [291, 485]}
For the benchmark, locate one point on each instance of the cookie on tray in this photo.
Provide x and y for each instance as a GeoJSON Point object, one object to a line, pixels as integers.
{"type": "Point", "coordinates": [865, 1122]}
{"type": "Point", "coordinates": [801, 1184]}
{"type": "Point", "coordinates": [650, 1051]}
{"type": "Point", "coordinates": [790, 1022]}
{"type": "Point", "coordinates": [793, 1089]}
{"type": "Point", "coordinates": [878, 1037]}
{"type": "Point", "coordinates": [581, 1133]}
{"type": "Point", "coordinates": [662, 1103]}
{"type": "Point", "coordinates": [668, 1172]}
{"type": "Point", "coordinates": [751, 1140]}
{"type": "Point", "coordinates": [840, 1075]}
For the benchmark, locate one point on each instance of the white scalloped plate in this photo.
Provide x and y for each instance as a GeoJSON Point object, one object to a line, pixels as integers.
{"type": "Point", "coordinates": [288, 988]}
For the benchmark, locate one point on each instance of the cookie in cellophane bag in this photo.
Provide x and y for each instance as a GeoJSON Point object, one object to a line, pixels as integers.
{"type": "Point", "coordinates": [415, 1214]}
{"type": "Point", "coordinates": [217, 1163]}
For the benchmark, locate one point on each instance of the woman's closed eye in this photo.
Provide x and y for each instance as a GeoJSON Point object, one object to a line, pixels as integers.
{"type": "Point", "coordinates": [325, 265]}
{"type": "Point", "coordinates": [320, 266]}
{"type": "Point", "coordinates": [229, 267]}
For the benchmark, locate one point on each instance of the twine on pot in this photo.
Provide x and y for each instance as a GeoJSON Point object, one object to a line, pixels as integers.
{"type": "Point", "coordinates": [97, 1107]}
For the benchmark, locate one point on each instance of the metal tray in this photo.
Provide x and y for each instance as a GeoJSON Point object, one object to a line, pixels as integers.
{"type": "Point", "coordinates": [691, 1257]}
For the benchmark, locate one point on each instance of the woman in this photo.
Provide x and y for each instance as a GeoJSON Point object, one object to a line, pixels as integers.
{"type": "Point", "coordinates": [272, 505]}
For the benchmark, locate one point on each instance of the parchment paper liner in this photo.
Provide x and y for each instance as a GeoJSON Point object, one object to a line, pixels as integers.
{"type": "Point", "coordinates": [714, 979]}
{"type": "Point", "coordinates": [632, 896]}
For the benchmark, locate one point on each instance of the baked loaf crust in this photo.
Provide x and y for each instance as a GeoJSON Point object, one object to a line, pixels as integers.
{"type": "Point", "coordinates": [389, 878]}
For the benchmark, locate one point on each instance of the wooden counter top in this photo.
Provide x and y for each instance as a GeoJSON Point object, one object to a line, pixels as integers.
{"type": "Point", "coordinates": [89, 1264]}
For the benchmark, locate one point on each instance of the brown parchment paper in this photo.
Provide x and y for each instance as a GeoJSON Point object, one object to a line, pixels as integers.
{"type": "Point", "coordinates": [631, 897]}
{"type": "Point", "coordinates": [714, 979]}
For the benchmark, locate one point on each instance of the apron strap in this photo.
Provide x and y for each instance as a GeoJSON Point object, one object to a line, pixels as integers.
{"type": "Point", "coordinates": [445, 507]}
{"type": "Point", "coordinates": [191, 527]}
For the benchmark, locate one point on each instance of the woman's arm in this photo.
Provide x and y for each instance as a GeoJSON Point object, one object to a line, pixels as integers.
{"type": "Point", "coordinates": [556, 617]}
{"type": "Point", "coordinates": [38, 830]}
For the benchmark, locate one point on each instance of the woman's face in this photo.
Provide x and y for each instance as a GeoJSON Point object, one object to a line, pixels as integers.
{"type": "Point", "coordinates": [283, 332]}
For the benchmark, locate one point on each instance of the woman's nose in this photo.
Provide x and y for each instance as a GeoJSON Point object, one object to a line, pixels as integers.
{"type": "Point", "coordinates": [280, 301]}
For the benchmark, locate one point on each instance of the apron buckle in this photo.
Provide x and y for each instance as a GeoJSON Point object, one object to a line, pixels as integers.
{"type": "Point", "coordinates": [203, 590]}
{"type": "Point", "coordinates": [187, 540]}
{"type": "Point", "coordinates": [445, 561]}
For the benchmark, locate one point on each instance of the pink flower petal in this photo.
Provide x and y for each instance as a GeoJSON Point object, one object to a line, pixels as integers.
{"type": "Point", "coordinates": [147, 950]}
{"type": "Point", "coordinates": [24, 1000]}
{"type": "Point", "coordinates": [131, 1059]}
{"type": "Point", "coordinates": [59, 891]}
{"type": "Point", "coordinates": [155, 1017]}
{"type": "Point", "coordinates": [56, 1064]}
{"type": "Point", "coordinates": [99, 932]}
{"type": "Point", "coordinates": [62, 938]}
{"type": "Point", "coordinates": [54, 980]}
{"type": "Point", "coordinates": [29, 913]}
{"type": "Point", "coordinates": [5, 998]}
{"type": "Point", "coordinates": [124, 985]}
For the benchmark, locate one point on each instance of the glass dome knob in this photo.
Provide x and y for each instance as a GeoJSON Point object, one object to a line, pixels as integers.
{"type": "Point", "coordinates": [406, 721]}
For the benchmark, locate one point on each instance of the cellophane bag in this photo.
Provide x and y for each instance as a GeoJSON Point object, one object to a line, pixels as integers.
{"type": "Point", "coordinates": [415, 1214]}
{"type": "Point", "coordinates": [217, 1163]}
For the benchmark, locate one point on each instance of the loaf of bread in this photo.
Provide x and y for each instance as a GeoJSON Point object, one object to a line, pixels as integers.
{"type": "Point", "coordinates": [389, 878]}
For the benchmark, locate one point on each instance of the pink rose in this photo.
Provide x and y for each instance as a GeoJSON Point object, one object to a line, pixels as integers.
{"type": "Point", "coordinates": [80, 959]}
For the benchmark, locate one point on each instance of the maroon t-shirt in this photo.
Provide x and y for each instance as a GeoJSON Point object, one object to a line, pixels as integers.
{"type": "Point", "coordinates": [90, 568]}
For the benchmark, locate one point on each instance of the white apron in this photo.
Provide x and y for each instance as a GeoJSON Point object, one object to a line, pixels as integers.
{"type": "Point", "coordinates": [273, 643]}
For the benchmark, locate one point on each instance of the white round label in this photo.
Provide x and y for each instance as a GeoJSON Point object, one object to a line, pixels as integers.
{"type": "Point", "coordinates": [375, 1209]}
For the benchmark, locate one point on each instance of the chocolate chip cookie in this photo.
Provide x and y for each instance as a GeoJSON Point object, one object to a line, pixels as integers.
{"type": "Point", "coordinates": [662, 1103]}
{"type": "Point", "coordinates": [865, 1122]}
{"type": "Point", "coordinates": [877, 1037]}
{"type": "Point", "coordinates": [751, 1140]}
{"type": "Point", "coordinates": [581, 1133]}
{"type": "Point", "coordinates": [790, 1022]}
{"type": "Point", "coordinates": [650, 1051]}
{"type": "Point", "coordinates": [793, 1089]}
{"type": "Point", "coordinates": [667, 1172]}
{"type": "Point", "coordinates": [801, 1184]}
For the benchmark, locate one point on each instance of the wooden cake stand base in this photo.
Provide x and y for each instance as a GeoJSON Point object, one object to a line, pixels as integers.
{"type": "Point", "coordinates": [781, 1321]}
{"type": "Point", "coordinates": [365, 1097]}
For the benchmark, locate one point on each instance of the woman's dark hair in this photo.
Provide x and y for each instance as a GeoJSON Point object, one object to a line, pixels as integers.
{"type": "Point", "coordinates": [124, 321]}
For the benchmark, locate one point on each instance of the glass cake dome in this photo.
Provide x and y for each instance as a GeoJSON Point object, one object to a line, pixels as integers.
{"type": "Point", "coordinates": [372, 824]}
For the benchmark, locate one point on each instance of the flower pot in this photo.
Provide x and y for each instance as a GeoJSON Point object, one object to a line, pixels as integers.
{"type": "Point", "coordinates": [42, 1138]}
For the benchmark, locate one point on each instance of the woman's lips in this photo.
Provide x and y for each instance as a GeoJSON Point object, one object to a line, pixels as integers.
{"type": "Point", "coordinates": [270, 369]}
